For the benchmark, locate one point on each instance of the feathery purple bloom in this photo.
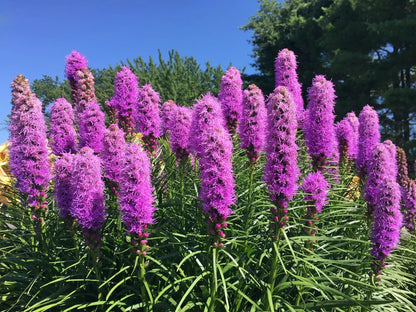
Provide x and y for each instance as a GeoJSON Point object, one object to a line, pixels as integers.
{"type": "Point", "coordinates": [385, 234]}
{"type": "Point", "coordinates": [409, 201]}
{"type": "Point", "coordinates": [320, 130]}
{"type": "Point", "coordinates": [124, 100]}
{"type": "Point", "coordinates": [62, 136]}
{"type": "Point", "coordinates": [166, 112]}
{"type": "Point", "coordinates": [63, 169]}
{"type": "Point", "coordinates": [74, 62]}
{"type": "Point", "coordinates": [84, 91]}
{"type": "Point", "coordinates": [92, 127]}
{"type": "Point", "coordinates": [113, 149]}
{"type": "Point", "coordinates": [136, 191]}
{"type": "Point", "coordinates": [212, 144]}
{"type": "Point", "coordinates": [253, 122]}
{"type": "Point", "coordinates": [369, 135]}
{"type": "Point", "coordinates": [354, 122]}
{"type": "Point", "coordinates": [179, 126]}
{"type": "Point", "coordinates": [344, 135]}
{"type": "Point", "coordinates": [285, 75]}
{"type": "Point", "coordinates": [281, 171]}
{"type": "Point", "coordinates": [88, 188]}
{"type": "Point", "coordinates": [231, 97]}
{"type": "Point", "coordinates": [28, 152]}
{"type": "Point", "coordinates": [315, 188]}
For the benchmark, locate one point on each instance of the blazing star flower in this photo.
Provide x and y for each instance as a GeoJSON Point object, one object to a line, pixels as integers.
{"type": "Point", "coordinates": [231, 97]}
{"type": "Point", "coordinates": [320, 129]}
{"type": "Point", "coordinates": [286, 76]}
{"type": "Point", "coordinates": [113, 152]}
{"type": "Point", "coordinates": [354, 122]}
{"type": "Point", "coordinates": [403, 173]}
{"type": "Point", "coordinates": [62, 137]}
{"type": "Point", "coordinates": [385, 234]}
{"type": "Point", "coordinates": [92, 127]}
{"type": "Point", "coordinates": [74, 62]}
{"type": "Point", "coordinates": [253, 122]}
{"type": "Point", "coordinates": [88, 187]}
{"type": "Point", "coordinates": [28, 152]}
{"type": "Point", "coordinates": [409, 201]}
{"type": "Point", "coordinates": [344, 133]}
{"type": "Point", "coordinates": [179, 131]}
{"type": "Point", "coordinates": [124, 100]}
{"type": "Point", "coordinates": [369, 135]}
{"type": "Point", "coordinates": [281, 171]}
{"type": "Point", "coordinates": [166, 115]}
{"type": "Point", "coordinates": [63, 193]}
{"type": "Point", "coordinates": [136, 191]}
{"type": "Point", "coordinates": [147, 116]}
{"type": "Point", "coordinates": [213, 147]}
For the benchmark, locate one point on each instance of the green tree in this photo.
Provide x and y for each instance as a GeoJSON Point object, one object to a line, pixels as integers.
{"type": "Point", "coordinates": [48, 90]}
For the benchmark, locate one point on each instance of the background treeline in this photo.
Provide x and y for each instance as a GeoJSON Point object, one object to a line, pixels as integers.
{"type": "Point", "coordinates": [367, 48]}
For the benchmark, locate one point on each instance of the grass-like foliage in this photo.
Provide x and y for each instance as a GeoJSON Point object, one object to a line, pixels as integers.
{"type": "Point", "coordinates": [184, 271]}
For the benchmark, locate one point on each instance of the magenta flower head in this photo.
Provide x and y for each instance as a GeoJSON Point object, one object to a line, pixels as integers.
{"type": "Point", "coordinates": [403, 172]}
{"type": "Point", "coordinates": [344, 135]}
{"type": "Point", "coordinates": [74, 62]}
{"type": "Point", "coordinates": [84, 92]}
{"type": "Point", "coordinates": [147, 116]}
{"type": "Point", "coordinates": [166, 115]}
{"type": "Point", "coordinates": [281, 170]}
{"type": "Point", "coordinates": [114, 146]}
{"type": "Point", "coordinates": [88, 205]}
{"type": "Point", "coordinates": [354, 122]}
{"type": "Point", "coordinates": [62, 136]}
{"type": "Point", "coordinates": [409, 201]}
{"type": "Point", "coordinates": [391, 148]}
{"type": "Point", "coordinates": [385, 234]}
{"type": "Point", "coordinates": [63, 193]}
{"type": "Point", "coordinates": [320, 129]}
{"type": "Point", "coordinates": [231, 97]}
{"type": "Point", "coordinates": [285, 75]}
{"type": "Point", "coordinates": [253, 122]}
{"type": "Point", "coordinates": [213, 147]}
{"type": "Point", "coordinates": [92, 127]}
{"type": "Point", "coordinates": [28, 152]}
{"type": "Point", "coordinates": [136, 191]}
{"type": "Point", "coordinates": [179, 126]}
{"type": "Point", "coordinates": [124, 100]}
{"type": "Point", "coordinates": [382, 166]}
{"type": "Point", "coordinates": [369, 135]}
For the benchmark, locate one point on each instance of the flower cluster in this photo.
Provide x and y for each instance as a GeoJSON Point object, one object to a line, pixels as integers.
{"type": "Point", "coordinates": [62, 137]}
{"type": "Point", "coordinates": [231, 97]}
{"type": "Point", "coordinates": [114, 146]}
{"type": "Point", "coordinates": [286, 76]}
{"type": "Point", "coordinates": [369, 135]}
{"type": "Point", "coordinates": [74, 62]}
{"type": "Point", "coordinates": [253, 122]}
{"type": "Point", "coordinates": [179, 131]}
{"type": "Point", "coordinates": [319, 129]}
{"type": "Point", "coordinates": [281, 170]}
{"type": "Point", "coordinates": [124, 100]}
{"type": "Point", "coordinates": [63, 193]}
{"type": "Point", "coordinates": [147, 116]}
{"type": "Point", "coordinates": [92, 127]}
{"type": "Point", "coordinates": [344, 133]}
{"type": "Point", "coordinates": [166, 113]}
{"type": "Point", "coordinates": [402, 172]}
{"type": "Point", "coordinates": [354, 122]}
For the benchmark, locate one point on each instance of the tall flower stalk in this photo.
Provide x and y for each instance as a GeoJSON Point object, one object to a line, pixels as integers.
{"type": "Point", "coordinates": [28, 152]}
{"type": "Point", "coordinates": [281, 171]}
{"type": "Point", "coordinates": [63, 193]}
{"type": "Point", "coordinates": [344, 133]}
{"type": "Point", "coordinates": [355, 123]}
{"type": "Point", "coordinates": [92, 127]}
{"type": "Point", "coordinates": [166, 115]}
{"type": "Point", "coordinates": [230, 97]}
{"type": "Point", "coordinates": [179, 125]}
{"type": "Point", "coordinates": [62, 135]}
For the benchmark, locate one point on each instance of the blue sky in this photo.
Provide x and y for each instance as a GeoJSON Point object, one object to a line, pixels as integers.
{"type": "Point", "coordinates": [37, 35]}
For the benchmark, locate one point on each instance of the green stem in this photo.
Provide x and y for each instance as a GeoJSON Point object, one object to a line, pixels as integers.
{"type": "Point", "coordinates": [273, 274]}
{"type": "Point", "coordinates": [144, 287]}
{"type": "Point", "coordinates": [97, 271]}
{"type": "Point", "coordinates": [214, 280]}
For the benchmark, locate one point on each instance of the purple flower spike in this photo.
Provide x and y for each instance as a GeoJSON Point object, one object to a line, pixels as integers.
{"type": "Point", "coordinates": [166, 115]}
{"type": "Point", "coordinates": [320, 129]}
{"type": "Point", "coordinates": [409, 200]}
{"type": "Point", "coordinates": [136, 192]}
{"type": "Point", "coordinates": [74, 62]}
{"type": "Point", "coordinates": [369, 135]}
{"type": "Point", "coordinates": [84, 92]}
{"type": "Point", "coordinates": [213, 147]}
{"type": "Point", "coordinates": [285, 75]}
{"type": "Point", "coordinates": [253, 122]}
{"type": "Point", "coordinates": [344, 135]}
{"type": "Point", "coordinates": [92, 127]}
{"type": "Point", "coordinates": [28, 152]}
{"type": "Point", "coordinates": [385, 234]}
{"type": "Point", "coordinates": [179, 131]}
{"type": "Point", "coordinates": [62, 138]}
{"type": "Point", "coordinates": [382, 166]}
{"type": "Point", "coordinates": [391, 148]}
{"type": "Point", "coordinates": [124, 100]}
{"type": "Point", "coordinates": [281, 171]}
{"type": "Point", "coordinates": [88, 204]}
{"type": "Point", "coordinates": [63, 169]}
{"type": "Point", "coordinates": [315, 188]}
{"type": "Point", "coordinates": [147, 116]}
{"type": "Point", "coordinates": [113, 152]}
{"type": "Point", "coordinates": [403, 172]}
{"type": "Point", "coordinates": [354, 122]}
{"type": "Point", "coordinates": [231, 97]}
